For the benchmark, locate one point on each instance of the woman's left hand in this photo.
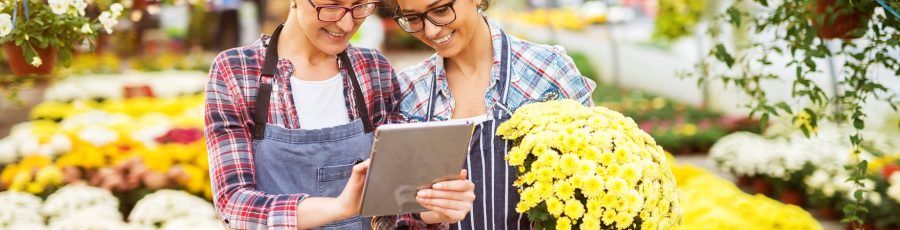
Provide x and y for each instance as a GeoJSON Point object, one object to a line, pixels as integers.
{"type": "Point", "coordinates": [449, 201]}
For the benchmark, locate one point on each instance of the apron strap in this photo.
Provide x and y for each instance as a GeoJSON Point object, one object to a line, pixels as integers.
{"type": "Point", "coordinates": [431, 99]}
{"type": "Point", "coordinates": [363, 111]}
{"type": "Point", "coordinates": [264, 93]}
{"type": "Point", "coordinates": [505, 59]}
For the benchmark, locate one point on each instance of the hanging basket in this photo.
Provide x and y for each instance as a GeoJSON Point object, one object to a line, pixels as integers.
{"type": "Point", "coordinates": [849, 22]}
{"type": "Point", "coordinates": [21, 67]}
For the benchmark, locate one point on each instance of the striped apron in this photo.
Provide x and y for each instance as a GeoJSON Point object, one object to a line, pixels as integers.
{"type": "Point", "coordinates": [496, 198]}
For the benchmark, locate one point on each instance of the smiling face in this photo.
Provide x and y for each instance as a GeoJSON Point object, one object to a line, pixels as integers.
{"type": "Point", "coordinates": [330, 37]}
{"type": "Point", "coordinates": [450, 39]}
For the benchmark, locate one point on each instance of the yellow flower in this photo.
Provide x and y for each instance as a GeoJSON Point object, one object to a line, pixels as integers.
{"type": "Point", "coordinates": [20, 180]}
{"type": "Point", "coordinates": [516, 156]}
{"type": "Point", "coordinates": [607, 159]}
{"type": "Point", "coordinates": [616, 185]}
{"type": "Point", "coordinates": [621, 154]}
{"type": "Point", "coordinates": [530, 196]}
{"type": "Point", "coordinates": [545, 174]}
{"type": "Point", "coordinates": [586, 167]}
{"type": "Point", "coordinates": [8, 173]}
{"type": "Point", "coordinates": [594, 206]}
{"type": "Point", "coordinates": [545, 188]}
{"type": "Point", "coordinates": [631, 172]}
{"type": "Point", "coordinates": [609, 217]}
{"type": "Point", "coordinates": [563, 224]}
{"type": "Point", "coordinates": [555, 207]}
{"type": "Point", "coordinates": [49, 175]}
{"type": "Point", "coordinates": [568, 163]}
{"type": "Point", "coordinates": [623, 220]}
{"type": "Point", "coordinates": [593, 186]}
{"type": "Point", "coordinates": [34, 188]}
{"type": "Point", "coordinates": [574, 209]}
{"type": "Point", "coordinates": [590, 223]}
{"type": "Point", "coordinates": [564, 190]}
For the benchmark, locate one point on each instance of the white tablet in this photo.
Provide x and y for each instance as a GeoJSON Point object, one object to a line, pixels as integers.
{"type": "Point", "coordinates": [410, 157]}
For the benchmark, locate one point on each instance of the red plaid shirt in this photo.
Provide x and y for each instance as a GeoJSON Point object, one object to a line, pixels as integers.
{"type": "Point", "coordinates": [230, 100]}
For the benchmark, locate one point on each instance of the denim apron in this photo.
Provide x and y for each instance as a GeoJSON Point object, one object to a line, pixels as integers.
{"type": "Point", "coordinates": [315, 162]}
{"type": "Point", "coordinates": [495, 203]}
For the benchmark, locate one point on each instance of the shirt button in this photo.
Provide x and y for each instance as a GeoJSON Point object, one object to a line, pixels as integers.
{"type": "Point", "coordinates": [226, 221]}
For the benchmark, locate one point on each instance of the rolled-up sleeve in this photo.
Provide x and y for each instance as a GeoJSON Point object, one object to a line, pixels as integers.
{"type": "Point", "coordinates": [238, 203]}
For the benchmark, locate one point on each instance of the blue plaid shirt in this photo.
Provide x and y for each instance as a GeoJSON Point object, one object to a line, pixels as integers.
{"type": "Point", "coordinates": [537, 73]}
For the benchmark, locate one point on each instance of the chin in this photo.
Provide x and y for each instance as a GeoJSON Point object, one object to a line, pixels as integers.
{"type": "Point", "coordinates": [450, 51]}
{"type": "Point", "coordinates": [332, 48]}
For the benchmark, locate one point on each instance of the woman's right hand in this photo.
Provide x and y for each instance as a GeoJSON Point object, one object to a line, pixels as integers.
{"type": "Point", "coordinates": [448, 201]}
{"type": "Point", "coordinates": [349, 200]}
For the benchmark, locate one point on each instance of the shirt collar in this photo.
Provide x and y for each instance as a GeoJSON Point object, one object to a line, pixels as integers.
{"type": "Point", "coordinates": [496, 44]}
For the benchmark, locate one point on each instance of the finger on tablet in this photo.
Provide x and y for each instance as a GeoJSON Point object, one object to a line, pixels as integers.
{"type": "Point", "coordinates": [454, 185]}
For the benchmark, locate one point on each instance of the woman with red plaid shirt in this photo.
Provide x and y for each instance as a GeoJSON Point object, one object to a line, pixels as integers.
{"type": "Point", "coordinates": [289, 124]}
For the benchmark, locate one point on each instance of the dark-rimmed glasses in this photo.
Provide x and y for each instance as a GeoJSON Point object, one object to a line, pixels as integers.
{"type": "Point", "coordinates": [438, 16]}
{"type": "Point", "coordinates": [333, 13]}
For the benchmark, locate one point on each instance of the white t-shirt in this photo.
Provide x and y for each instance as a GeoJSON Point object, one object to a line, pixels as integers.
{"type": "Point", "coordinates": [320, 104]}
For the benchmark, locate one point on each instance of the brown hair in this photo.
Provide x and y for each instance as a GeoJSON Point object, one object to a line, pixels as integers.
{"type": "Point", "coordinates": [392, 5]}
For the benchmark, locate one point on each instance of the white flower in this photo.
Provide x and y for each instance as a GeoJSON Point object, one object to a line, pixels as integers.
{"type": "Point", "coordinates": [19, 209]}
{"type": "Point", "coordinates": [6, 25]}
{"type": "Point", "coordinates": [86, 29]}
{"type": "Point", "coordinates": [108, 21]}
{"type": "Point", "coordinates": [59, 144]}
{"type": "Point", "coordinates": [894, 190]}
{"type": "Point", "coordinates": [74, 199]}
{"type": "Point", "coordinates": [36, 61]}
{"type": "Point", "coordinates": [8, 152]}
{"type": "Point", "coordinates": [98, 135]}
{"type": "Point", "coordinates": [163, 206]}
{"type": "Point", "coordinates": [79, 5]}
{"type": "Point", "coordinates": [59, 7]}
{"type": "Point", "coordinates": [116, 9]}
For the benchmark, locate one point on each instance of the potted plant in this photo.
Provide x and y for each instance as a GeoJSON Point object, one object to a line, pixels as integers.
{"type": "Point", "coordinates": [841, 18]}
{"type": "Point", "coordinates": [34, 33]}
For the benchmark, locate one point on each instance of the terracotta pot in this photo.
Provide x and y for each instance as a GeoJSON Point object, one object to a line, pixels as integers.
{"type": "Point", "coordinates": [828, 213]}
{"type": "Point", "coordinates": [792, 196]}
{"type": "Point", "coordinates": [845, 24]}
{"type": "Point", "coordinates": [868, 225]}
{"type": "Point", "coordinates": [744, 181]}
{"type": "Point", "coordinates": [132, 91]}
{"type": "Point", "coordinates": [21, 67]}
{"type": "Point", "coordinates": [761, 186]}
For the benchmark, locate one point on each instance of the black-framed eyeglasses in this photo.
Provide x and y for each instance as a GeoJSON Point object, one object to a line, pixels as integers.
{"type": "Point", "coordinates": [438, 16]}
{"type": "Point", "coordinates": [333, 13]}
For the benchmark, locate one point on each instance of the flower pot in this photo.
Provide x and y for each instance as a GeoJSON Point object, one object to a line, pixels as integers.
{"type": "Point", "coordinates": [21, 67]}
{"type": "Point", "coordinates": [792, 196]}
{"type": "Point", "coordinates": [847, 22]}
{"type": "Point", "coordinates": [828, 213]}
{"type": "Point", "coordinates": [744, 181]}
{"type": "Point", "coordinates": [761, 186]}
{"type": "Point", "coordinates": [141, 90]}
{"type": "Point", "coordinates": [891, 227]}
{"type": "Point", "coordinates": [868, 225]}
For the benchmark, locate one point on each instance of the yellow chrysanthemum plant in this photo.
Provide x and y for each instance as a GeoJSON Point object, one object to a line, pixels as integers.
{"type": "Point", "coordinates": [589, 168]}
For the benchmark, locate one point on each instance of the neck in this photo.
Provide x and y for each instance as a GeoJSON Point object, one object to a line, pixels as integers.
{"type": "Point", "coordinates": [478, 54]}
{"type": "Point", "coordinates": [296, 46]}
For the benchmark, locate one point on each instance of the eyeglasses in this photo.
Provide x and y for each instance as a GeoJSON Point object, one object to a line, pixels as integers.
{"type": "Point", "coordinates": [438, 16]}
{"type": "Point", "coordinates": [333, 13]}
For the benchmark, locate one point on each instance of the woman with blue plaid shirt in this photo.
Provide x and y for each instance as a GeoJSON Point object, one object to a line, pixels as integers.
{"type": "Point", "coordinates": [289, 124]}
{"type": "Point", "coordinates": [482, 74]}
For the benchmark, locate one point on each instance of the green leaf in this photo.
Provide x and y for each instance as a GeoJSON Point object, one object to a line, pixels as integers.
{"type": "Point", "coordinates": [763, 121]}
{"type": "Point", "coordinates": [735, 16]}
{"type": "Point", "coordinates": [858, 124]}
{"type": "Point", "coordinates": [784, 106]}
{"type": "Point", "coordinates": [722, 54]}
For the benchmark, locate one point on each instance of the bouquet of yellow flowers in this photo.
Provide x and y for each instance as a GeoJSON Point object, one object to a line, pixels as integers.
{"type": "Point", "coordinates": [589, 168]}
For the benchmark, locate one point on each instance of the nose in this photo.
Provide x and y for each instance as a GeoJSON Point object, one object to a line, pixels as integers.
{"type": "Point", "coordinates": [346, 22]}
{"type": "Point", "coordinates": [431, 30]}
